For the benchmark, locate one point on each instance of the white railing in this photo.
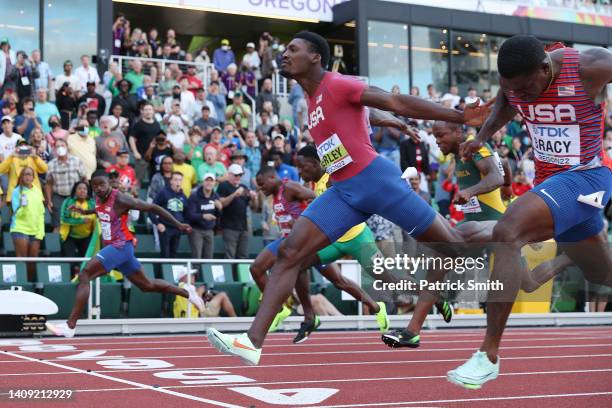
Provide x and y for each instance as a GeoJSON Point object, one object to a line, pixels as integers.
{"type": "Point", "coordinates": [280, 85]}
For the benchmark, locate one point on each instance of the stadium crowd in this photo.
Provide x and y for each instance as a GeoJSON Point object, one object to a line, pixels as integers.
{"type": "Point", "coordinates": [189, 141]}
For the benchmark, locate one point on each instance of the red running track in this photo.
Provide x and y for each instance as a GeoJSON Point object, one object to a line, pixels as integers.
{"type": "Point", "coordinates": [564, 367]}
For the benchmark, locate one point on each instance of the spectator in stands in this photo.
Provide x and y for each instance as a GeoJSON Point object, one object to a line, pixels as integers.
{"type": "Point", "coordinates": [230, 80]}
{"type": "Point", "coordinates": [266, 94]}
{"type": "Point", "coordinates": [223, 56]}
{"type": "Point", "coordinates": [235, 198]}
{"type": "Point", "coordinates": [452, 95]}
{"type": "Point", "coordinates": [515, 127]}
{"type": "Point", "coordinates": [177, 125]}
{"type": "Point", "coordinates": [64, 171]}
{"type": "Point", "coordinates": [267, 56]}
{"type": "Point", "coordinates": [246, 79]}
{"type": "Point", "coordinates": [220, 145]}
{"type": "Point", "coordinates": [21, 77]}
{"type": "Point", "coordinates": [214, 302]}
{"type": "Point", "coordinates": [39, 145]}
{"type": "Point", "coordinates": [232, 135]}
{"type": "Point", "coordinates": [183, 96]}
{"type": "Point", "coordinates": [45, 76]}
{"type": "Point", "coordinates": [279, 143]}
{"type": "Point", "coordinates": [218, 101]}
{"type": "Point", "coordinates": [155, 100]}
{"type": "Point", "coordinates": [86, 73]}
{"type": "Point", "coordinates": [127, 175]}
{"type": "Point", "coordinates": [28, 120]}
{"type": "Point", "coordinates": [252, 152]}
{"type": "Point", "coordinates": [28, 220]}
{"type": "Point", "coordinates": [211, 165]}
{"type": "Point", "coordinates": [93, 128]}
{"type": "Point", "coordinates": [44, 109]}
{"type": "Point", "coordinates": [203, 211]}
{"type": "Point", "coordinates": [238, 106]}
{"type": "Point", "coordinates": [189, 179]}
{"type": "Point", "coordinates": [76, 229]}
{"type": "Point", "coordinates": [207, 121]}
{"type": "Point", "coordinates": [387, 142]}
{"type": "Point", "coordinates": [9, 107]}
{"type": "Point", "coordinates": [269, 109]}
{"type": "Point", "coordinates": [415, 155]}
{"type": "Point", "coordinates": [472, 96]}
{"type": "Point", "coordinates": [299, 108]}
{"type": "Point", "coordinates": [56, 132]}
{"type": "Point", "coordinates": [23, 156]}
{"type": "Point", "coordinates": [127, 100]}
{"type": "Point", "coordinates": [158, 149]}
{"type": "Point", "coordinates": [199, 103]}
{"type": "Point", "coordinates": [432, 94]}
{"type": "Point", "coordinates": [193, 148]}
{"type": "Point", "coordinates": [142, 138]}
{"type": "Point", "coordinates": [81, 117]}
{"type": "Point", "coordinates": [167, 84]}
{"type": "Point", "coordinates": [117, 122]}
{"type": "Point", "coordinates": [486, 95]}
{"type": "Point", "coordinates": [284, 170]}
{"type": "Point", "coordinates": [269, 224]}
{"type": "Point", "coordinates": [202, 58]}
{"type": "Point", "coordinates": [161, 178]}
{"type": "Point", "coordinates": [108, 144]}
{"type": "Point", "coordinates": [119, 34]}
{"type": "Point", "coordinates": [95, 101]}
{"type": "Point", "coordinates": [194, 82]}
{"type": "Point", "coordinates": [520, 184]}
{"type": "Point", "coordinates": [8, 140]}
{"type": "Point", "coordinates": [248, 179]}
{"type": "Point", "coordinates": [264, 126]}
{"type": "Point", "coordinates": [174, 201]}
{"type": "Point", "coordinates": [67, 77]}
{"type": "Point", "coordinates": [515, 154]}
{"type": "Point", "coordinates": [81, 145]}
{"type": "Point", "coordinates": [446, 170]}
{"type": "Point", "coordinates": [66, 104]}
{"type": "Point", "coordinates": [7, 59]}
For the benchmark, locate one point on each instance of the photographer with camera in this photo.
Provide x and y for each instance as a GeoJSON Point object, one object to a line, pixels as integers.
{"type": "Point", "coordinates": [23, 156]}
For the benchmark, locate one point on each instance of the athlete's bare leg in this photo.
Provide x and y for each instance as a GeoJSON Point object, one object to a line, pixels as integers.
{"type": "Point", "coordinates": [93, 269]}
{"type": "Point", "coordinates": [155, 285]}
{"type": "Point", "coordinates": [332, 273]}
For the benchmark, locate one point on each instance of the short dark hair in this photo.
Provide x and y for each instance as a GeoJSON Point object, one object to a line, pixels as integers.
{"type": "Point", "coordinates": [520, 55]}
{"type": "Point", "coordinates": [176, 173]}
{"type": "Point", "coordinates": [309, 152]}
{"type": "Point", "coordinates": [276, 153]}
{"type": "Point", "coordinates": [318, 45]}
{"type": "Point", "coordinates": [99, 173]}
{"type": "Point", "coordinates": [26, 100]}
{"type": "Point", "coordinates": [92, 112]}
{"type": "Point", "coordinates": [266, 170]}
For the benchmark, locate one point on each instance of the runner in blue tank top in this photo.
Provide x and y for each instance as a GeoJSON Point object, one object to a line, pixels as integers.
{"type": "Point", "coordinates": [558, 93]}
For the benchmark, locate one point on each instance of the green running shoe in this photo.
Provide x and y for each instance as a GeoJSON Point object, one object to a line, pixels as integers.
{"type": "Point", "coordinates": [475, 372]}
{"type": "Point", "coordinates": [279, 319]}
{"type": "Point", "coordinates": [306, 328]}
{"type": "Point", "coordinates": [234, 345]}
{"type": "Point", "coordinates": [446, 310]}
{"type": "Point", "coordinates": [401, 338]}
{"type": "Point", "coordinates": [382, 318]}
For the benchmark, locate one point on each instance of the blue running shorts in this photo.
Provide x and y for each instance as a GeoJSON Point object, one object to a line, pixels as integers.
{"type": "Point", "coordinates": [274, 245]}
{"type": "Point", "coordinates": [377, 189]}
{"type": "Point", "coordinates": [575, 220]}
{"type": "Point", "coordinates": [121, 259]}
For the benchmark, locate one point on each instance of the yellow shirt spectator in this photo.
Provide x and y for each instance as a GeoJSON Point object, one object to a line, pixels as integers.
{"type": "Point", "coordinates": [13, 166]}
{"type": "Point", "coordinates": [189, 177]}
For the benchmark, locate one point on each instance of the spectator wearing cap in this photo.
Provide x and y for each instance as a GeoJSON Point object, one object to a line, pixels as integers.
{"type": "Point", "coordinates": [203, 211]}
{"type": "Point", "coordinates": [127, 175]}
{"type": "Point", "coordinates": [158, 149]}
{"type": "Point", "coordinates": [64, 171]}
{"type": "Point", "coordinates": [194, 83]}
{"type": "Point", "coordinates": [252, 152]}
{"type": "Point", "coordinates": [127, 100]}
{"type": "Point", "coordinates": [94, 100]}
{"type": "Point", "coordinates": [238, 106]}
{"type": "Point", "coordinates": [173, 200]}
{"type": "Point", "coordinates": [265, 94]}
{"type": "Point", "coordinates": [223, 56]}
{"type": "Point", "coordinates": [235, 198]}
{"type": "Point", "coordinates": [207, 121]}
{"type": "Point", "coordinates": [108, 144]}
{"type": "Point", "coordinates": [230, 79]}
{"type": "Point", "coordinates": [278, 144]}
{"type": "Point", "coordinates": [198, 105]}
{"type": "Point", "coordinates": [7, 60]}
{"type": "Point", "coordinates": [44, 109]}
{"type": "Point", "coordinates": [142, 139]}
{"type": "Point", "coordinates": [22, 75]}
{"type": "Point", "coordinates": [67, 76]}
{"type": "Point", "coordinates": [23, 156]}
{"type": "Point", "coordinates": [83, 146]}
{"type": "Point", "coordinates": [252, 60]}
{"type": "Point", "coordinates": [218, 100]}
{"type": "Point", "coordinates": [240, 158]}
{"type": "Point", "coordinates": [86, 73]}
{"type": "Point", "coordinates": [283, 170]}
{"type": "Point", "coordinates": [45, 78]}
{"type": "Point", "coordinates": [211, 165]}
{"type": "Point", "coordinates": [189, 175]}
{"type": "Point", "coordinates": [8, 138]}
{"type": "Point", "coordinates": [135, 76]}
{"type": "Point", "coordinates": [28, 120]}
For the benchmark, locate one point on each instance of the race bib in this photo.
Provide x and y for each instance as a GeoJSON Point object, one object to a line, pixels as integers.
{"type": "Point", "coordinates": [471, 207]}
{"type": "Point", "coordinates": [106, 230]}
{"type": "Point", "coordinates": [333, 154]}
{"type": "Point", "coordinates": [556, 143]}
{"type": "Point", "coordinates": [500, 166]}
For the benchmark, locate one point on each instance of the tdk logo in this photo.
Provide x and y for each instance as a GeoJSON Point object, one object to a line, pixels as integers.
{"type": "Point", "coordinates": [547, 113]}
{"type": "Point", "coordinates": [315, 117]}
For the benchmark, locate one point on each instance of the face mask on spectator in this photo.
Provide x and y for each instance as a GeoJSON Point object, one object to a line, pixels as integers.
{"type": "Point", "coordinates": [225, 47]}
{"type": "Point", "coordinates": [62, 151]}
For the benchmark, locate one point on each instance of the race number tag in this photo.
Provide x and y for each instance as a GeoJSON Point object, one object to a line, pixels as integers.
{"type": "Point", "coordinates": [106, 230]}
{"type": "Point", "coordinates": [500, 166]}
{"type": "Point", "coordinates": [471, 207]}
{"type": "Point", "coordinates": [333, 154]}
{"type": "Point", "coordinates": [556, 143]}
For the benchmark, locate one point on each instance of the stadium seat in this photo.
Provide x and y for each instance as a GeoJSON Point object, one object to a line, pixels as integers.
{"type": "Point", "coordinates": [55, 280]}
{"type": "Point", "coordinates": [146, 246]}
{"type": "Point", "coordinates": [6, 217]}
{"type": "Point", "coordinates": [48, 226]}
{"type": "Point", "coordinates": [218, 247]}
{"type": "Point", "coordinates": [52, 245]}
{"type": "Point", "coordinates": [218, 277]}
{"type": "Point", "coordinates": [14, 274]}
{"type": "Point", "coordinates": [142, 304]}
{"type": "Point", "coordinates": [110, 300]}
{"type": "Point", "coordinates": [250, 291]}
{"type": "Point", "coordinates": [184, 249]}
{"type": "Point", "coordinates": [255, 246]}
{"type": "Point", "coordinates": [9, 246]}
{"type": "Point", "coordinates": [334, 295]}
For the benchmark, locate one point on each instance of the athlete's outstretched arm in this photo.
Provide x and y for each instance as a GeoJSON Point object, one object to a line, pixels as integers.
{"type": "Point", "coordinates": [131, 203]}
{"type": "Point", "coordinates": [491, 180]}
{"type": "Point", "coordinates": [414, 107]}
{"type": "Point", "coordinates": [386, 119]}
{"type": "Point", "coordinates": [501, 114]}
{"type": "Point", "coordinates": [299, 192]}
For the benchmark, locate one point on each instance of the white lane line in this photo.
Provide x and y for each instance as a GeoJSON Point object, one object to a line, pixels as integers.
{"type": "Point", "coordinates": [136, 370]}
{"type": "Point", "coordinates": [512, 397]}
{"type": "Point", "coordinates": [301, 345]}
{"type": "Point", "coordinates": [128, 382]}
{"type": "Point", "coordinates": [382, 350]}
{"type": "Point", "coordinates": [348, 380]}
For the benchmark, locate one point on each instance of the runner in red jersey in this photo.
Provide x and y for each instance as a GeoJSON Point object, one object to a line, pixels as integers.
{"type": "Point", "coordinates": [112, 209]}
{"type": "Point", "coordinates": [558, 94]}
{"type": "Point", "coordinates": [363, 182]}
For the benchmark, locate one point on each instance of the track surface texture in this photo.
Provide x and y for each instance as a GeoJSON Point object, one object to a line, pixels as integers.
{"type": "Point", "coordinates": [560, 367]}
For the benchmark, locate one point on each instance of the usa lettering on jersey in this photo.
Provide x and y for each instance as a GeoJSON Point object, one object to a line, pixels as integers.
{"type": "Point", "coordinates": [315, 117]}
{"type": "Point", "coordinates": [549, 113]}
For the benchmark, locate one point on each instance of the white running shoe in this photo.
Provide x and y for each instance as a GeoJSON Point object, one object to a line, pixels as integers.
{"type": "Point", "coordinates": [60, 329]}
{"type": "Point", "coordinates": [474, 372]}
{"type": "Point", "coordinates": [194, 298]}
{"type": "Point", "coordinates": [234, 345]}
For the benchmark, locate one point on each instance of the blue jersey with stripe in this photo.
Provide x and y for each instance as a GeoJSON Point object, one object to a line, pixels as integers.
{"type": "Point", "coordinates": [565, 125]}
